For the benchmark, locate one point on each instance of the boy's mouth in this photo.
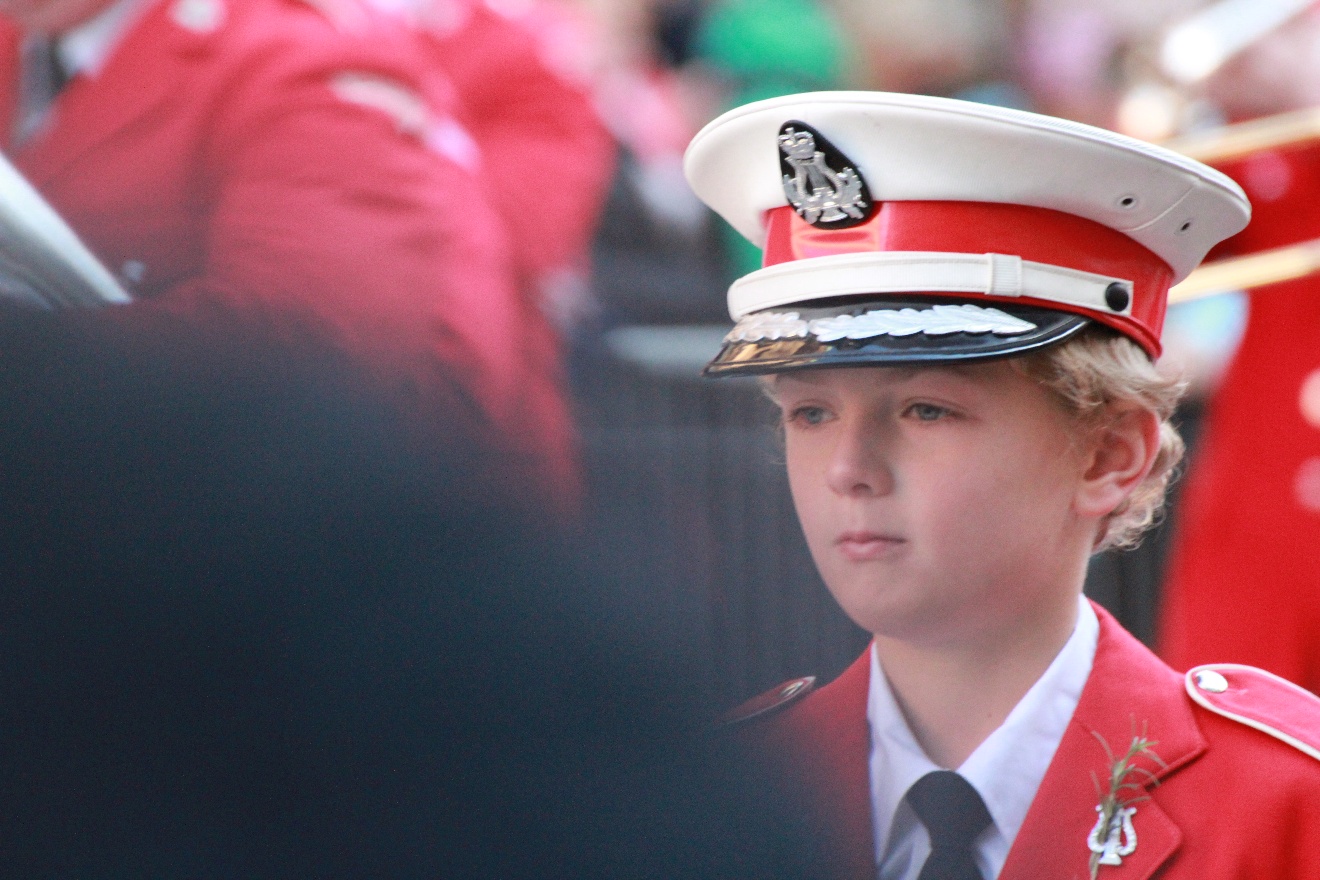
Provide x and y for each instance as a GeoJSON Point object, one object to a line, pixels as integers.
{"type": "Point", "coordinates": [865, 546]}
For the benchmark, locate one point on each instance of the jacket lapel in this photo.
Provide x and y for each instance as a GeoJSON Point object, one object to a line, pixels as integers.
{"type": "Point", "coordinates": [145, 72]}
{"type": "Point", "coordinates": [1129, 693]}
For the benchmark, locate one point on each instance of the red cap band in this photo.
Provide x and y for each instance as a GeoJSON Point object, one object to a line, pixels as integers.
{"type": "Point", "coordinates": [1037, 234]}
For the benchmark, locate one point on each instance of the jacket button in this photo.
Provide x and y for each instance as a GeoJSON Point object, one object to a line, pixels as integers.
{"type": "Point", "coordinates": [1211, 681]}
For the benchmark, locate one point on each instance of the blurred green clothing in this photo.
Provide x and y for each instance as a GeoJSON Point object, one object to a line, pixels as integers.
{"type": "Point", "coordinates": [767, 48]}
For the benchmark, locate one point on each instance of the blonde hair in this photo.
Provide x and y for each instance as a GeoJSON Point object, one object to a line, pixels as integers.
{"type": "Point", "coordinates": [1093, 376]}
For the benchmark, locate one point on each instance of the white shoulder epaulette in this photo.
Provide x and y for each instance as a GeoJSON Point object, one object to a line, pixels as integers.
{"type": "Point", "coordinates": [1259, 699]}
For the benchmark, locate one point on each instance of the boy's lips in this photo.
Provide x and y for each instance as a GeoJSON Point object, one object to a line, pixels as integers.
{"type": "Point", "coordinates": [860, 546]}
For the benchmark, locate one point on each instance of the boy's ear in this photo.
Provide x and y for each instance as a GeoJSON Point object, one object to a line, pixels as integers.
{"type": "Point", "coordinates": [1120, 455]}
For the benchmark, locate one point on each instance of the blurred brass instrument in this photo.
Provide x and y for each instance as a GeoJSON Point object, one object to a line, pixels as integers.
{"type": "Point", "coordinates": [1189, 54]}
{"type": "Point", "coordinates": [1245, 138]}
{"type": "Point", "coordinates": [1251, 270]}
{"type": "Point", "coordinates": [43, 264]}
{"type": "Point", "coordinates": [1264, 267]}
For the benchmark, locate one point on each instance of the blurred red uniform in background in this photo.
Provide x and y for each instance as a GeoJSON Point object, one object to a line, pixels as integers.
{"type": "Point", "coordinates": [542, 156]}
{"type": "Point", "coordinates": [1244, 577]}
{"type": "Point", "coordinates": [261, 166]}
{"type": "Point", "coordinates": [542, 146]}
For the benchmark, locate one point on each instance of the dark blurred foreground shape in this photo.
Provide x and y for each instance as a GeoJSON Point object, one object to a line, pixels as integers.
{"type": "Point", "coordinates": [243, 634]}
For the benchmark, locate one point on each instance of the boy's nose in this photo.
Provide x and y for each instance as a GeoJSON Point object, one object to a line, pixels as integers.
{"type": "Point", "coordinates": [860, 465]}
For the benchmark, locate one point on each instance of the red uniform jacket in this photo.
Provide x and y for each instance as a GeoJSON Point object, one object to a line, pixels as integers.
{"type": "Point", "coordinates": [1231, 802]}
{"type": "Point", "coordinates": [261, 165]}
{"type": "Point", "coordinates": [536, 128]}
{"type": "Point", "coordinates": [1244, 571]}
{"type": "Point", "coordinates": [547, 150]}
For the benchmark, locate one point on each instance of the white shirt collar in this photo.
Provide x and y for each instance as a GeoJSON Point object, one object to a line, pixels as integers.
{"type": "Point", "coordinates": [1006, 769]}
{"type": "Point", "coordinates": [86, 48]}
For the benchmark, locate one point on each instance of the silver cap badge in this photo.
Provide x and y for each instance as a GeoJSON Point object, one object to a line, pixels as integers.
{"type": "Point", "coordinates": [820, 182]}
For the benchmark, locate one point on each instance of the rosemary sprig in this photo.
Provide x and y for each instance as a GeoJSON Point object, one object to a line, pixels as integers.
{"type": "Point", "coordinates": [1126, 783]}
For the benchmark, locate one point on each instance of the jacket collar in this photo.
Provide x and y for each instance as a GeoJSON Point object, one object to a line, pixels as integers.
{"type": "Point", "coordinates": [1130, 693]}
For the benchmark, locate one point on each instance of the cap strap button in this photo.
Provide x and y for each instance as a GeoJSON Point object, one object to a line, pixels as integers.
{"type": "Point", "coordinates": [1117, 296]}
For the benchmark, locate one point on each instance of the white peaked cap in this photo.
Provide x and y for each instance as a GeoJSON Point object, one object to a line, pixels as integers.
{"type": "Point", "coordinates": [949, 153]}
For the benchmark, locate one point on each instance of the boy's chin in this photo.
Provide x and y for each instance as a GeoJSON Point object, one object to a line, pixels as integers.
{"type": "Point", "coordinates": [897, 619]}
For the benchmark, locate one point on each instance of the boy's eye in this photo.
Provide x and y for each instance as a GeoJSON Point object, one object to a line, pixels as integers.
{"type": "Point", "coordinates": [808, 415]}
{"type": "Point", "coordinates": [927, 412]}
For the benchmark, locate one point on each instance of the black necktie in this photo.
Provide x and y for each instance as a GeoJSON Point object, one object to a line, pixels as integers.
{"type": "Point", "coordinates": [955, 816]}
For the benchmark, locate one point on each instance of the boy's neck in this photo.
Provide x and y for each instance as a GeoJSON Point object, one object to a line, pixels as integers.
{"type": "Point", "coordinates": [954, 696]}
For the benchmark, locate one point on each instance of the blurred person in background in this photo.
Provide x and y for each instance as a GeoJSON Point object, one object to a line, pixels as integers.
{"type": "Point", "coordinates": [520, 79]}
{"type": "Point", "coordinates": [259, 168]}
{"type": "Point", "coordinates": [245, 638]}
{"type": "Point", "coordinates": [1244, 566]}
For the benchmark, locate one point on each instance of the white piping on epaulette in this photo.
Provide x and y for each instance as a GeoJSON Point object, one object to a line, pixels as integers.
{"type": "Point", "coordinates": [883, 272]}
{"type": "Point", "coordinates": [1195, 693]}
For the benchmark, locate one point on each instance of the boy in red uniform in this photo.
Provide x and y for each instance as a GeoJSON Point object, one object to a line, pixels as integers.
{"type": "Point", "coordinates": [957, 318]}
